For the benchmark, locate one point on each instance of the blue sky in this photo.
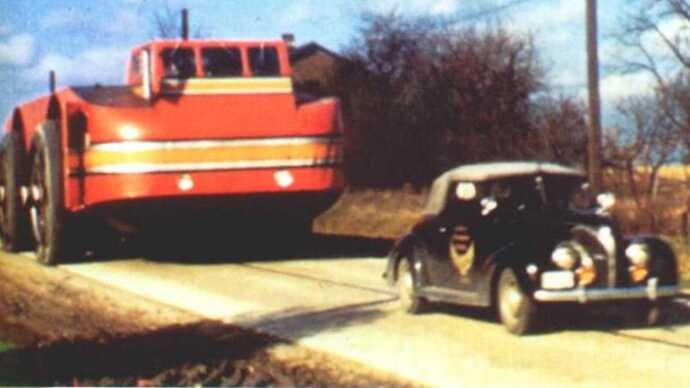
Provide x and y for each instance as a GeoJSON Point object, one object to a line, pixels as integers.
{"type": "Point", "coordinates": [88, 41]}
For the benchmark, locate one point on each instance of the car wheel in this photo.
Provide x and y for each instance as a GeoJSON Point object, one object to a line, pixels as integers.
{"type": "Point", "coordinates": [515, 309]}
{"type": "Point", "coordinates": [410, 302]}
{"type": "Point", "coordinates": [46, 194]}
{"type": "Point", "coordinates": [14, 229]}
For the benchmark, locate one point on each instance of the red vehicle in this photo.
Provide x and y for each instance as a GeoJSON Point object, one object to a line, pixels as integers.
{"type": "Point", "coordinates": [199, 123]}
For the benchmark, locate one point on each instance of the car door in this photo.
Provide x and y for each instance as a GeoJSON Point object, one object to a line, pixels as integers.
{"type": "Point", "coordinates": [455, 249]}
{"type": "Point", "coordinates": [467, 234]}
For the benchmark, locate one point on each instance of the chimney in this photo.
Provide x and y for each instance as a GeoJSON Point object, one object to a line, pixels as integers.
{"type": "Point", "coordinates": [185, 24]}
{"type": "Point", "coordinates": [289, 39]}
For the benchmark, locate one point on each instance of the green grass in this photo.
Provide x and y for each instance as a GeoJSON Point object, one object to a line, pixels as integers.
{"type": "Point", "coordinates": [4, 346]}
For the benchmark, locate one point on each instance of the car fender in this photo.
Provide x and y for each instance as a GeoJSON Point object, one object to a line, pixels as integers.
{"type": "Point", "coordinates": [404, 247]}
{"type": "Point", "coordinates": [663, 263]}
{"type": "Point", "coordinates": [515, 256]}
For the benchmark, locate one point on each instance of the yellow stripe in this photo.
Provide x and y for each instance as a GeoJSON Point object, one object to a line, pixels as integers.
{"type": "Point", "coordinates": [95, 158]}
{"type": "Point", "coordinates": [227, 85]}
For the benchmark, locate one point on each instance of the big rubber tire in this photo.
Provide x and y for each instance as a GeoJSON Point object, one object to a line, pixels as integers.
{"type": "Point", "coordinates": [409, 301]}
{"type": "Point", "coordinates": [46, 194]}
{"type": "Point", "coordinates": [516, 309]}
{"type": "Point", "coordinates": [14, 223]}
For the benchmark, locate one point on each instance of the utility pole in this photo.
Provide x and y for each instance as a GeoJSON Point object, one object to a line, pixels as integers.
{"type": "Point", "coordinates": [594, 133]}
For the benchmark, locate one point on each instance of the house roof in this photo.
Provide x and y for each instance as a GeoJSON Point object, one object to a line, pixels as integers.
{"type": "Point", "coordinates": [308, 49]}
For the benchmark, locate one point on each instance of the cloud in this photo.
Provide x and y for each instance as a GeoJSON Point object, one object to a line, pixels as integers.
{"type": "Point", "coordinates": [65, 18]}
{"type": "Point", "coordinates": [672, 28]}
{"type": "Point", "coordinates": [444, 7]}
{"type": "Point", "coordinates": [551, 21]}
{"type": "Point", "coordinates": [99, 65]}
{"type": "Point", "coordinates": [414, 7]}
{"type": "Point", "coordinates": [297, 12]}
{"type": "Point", "coordinates": [124, 21]}
{"type": "Point", "coordinates": [617, 86]}
{"type": "Point", "coordinates": [17, 50]}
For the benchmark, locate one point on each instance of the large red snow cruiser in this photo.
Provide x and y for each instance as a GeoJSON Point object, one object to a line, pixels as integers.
{"type": "Point", "coordinates": [198, 122]}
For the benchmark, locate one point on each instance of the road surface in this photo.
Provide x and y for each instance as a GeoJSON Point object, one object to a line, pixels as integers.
{"type": "Point", "coordinates": [336, 301]}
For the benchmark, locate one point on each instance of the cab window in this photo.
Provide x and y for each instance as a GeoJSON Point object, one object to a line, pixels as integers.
{"type": "Point", "coordinates": [179, 63]}
{"type": "Point", "coordinates": [222, 62]}
{"type": "Point", "coordinates": [263, 61]}
{"type": "Point", "coordinates": [135, 66]}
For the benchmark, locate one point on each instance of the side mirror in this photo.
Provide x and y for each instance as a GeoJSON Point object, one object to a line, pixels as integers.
{"type": "Point", "coordinates": [605, 202]}
{"type": "Point", "coordinates": [489, 204]}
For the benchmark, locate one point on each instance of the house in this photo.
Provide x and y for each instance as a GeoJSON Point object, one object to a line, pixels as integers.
{"type": "Point", "coordinates": [315, 68]}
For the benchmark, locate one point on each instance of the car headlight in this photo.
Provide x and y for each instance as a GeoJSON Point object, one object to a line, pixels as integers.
{"type": "Point", "coordinates": [564, 256]}
{"type": "Point", "coordinates": [638, 254]}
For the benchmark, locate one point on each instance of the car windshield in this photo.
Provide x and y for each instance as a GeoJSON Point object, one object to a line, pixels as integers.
{"type": "Point", "coordinates": [567, 191]}
{"type": "Point", "coordinates": [532, 191]}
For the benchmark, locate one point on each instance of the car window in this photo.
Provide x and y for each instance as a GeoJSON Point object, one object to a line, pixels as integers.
{"type": "Point", "coordinates": [179, 63]}
{"type": "Point", "coordinates": [263, 61]}
{"type": "Point", "coordinates": [222, 62]}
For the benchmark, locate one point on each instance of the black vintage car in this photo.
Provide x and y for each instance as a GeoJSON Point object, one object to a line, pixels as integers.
{"type": "Point", "coordinates": [519, 235]}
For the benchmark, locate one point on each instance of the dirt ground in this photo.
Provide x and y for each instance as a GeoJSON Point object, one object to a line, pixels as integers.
{"type": "Point", "coordinates": [73, 331]}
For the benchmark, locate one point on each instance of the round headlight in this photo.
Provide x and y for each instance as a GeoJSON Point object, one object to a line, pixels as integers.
{"type": "Point", "coordinates": [637, 253]}
{"type": "Point", "coordinates": [564, 256]}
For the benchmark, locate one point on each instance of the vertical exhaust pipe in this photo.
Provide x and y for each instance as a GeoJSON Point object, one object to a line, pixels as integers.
{"type": "Point", "coordinates": [51, 81]}
{"type": "Point", "coordinates": [185, 24]}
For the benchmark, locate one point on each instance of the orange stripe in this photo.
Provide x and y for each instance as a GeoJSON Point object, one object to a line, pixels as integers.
{"type": "Point", "coordinates": [96, 158]}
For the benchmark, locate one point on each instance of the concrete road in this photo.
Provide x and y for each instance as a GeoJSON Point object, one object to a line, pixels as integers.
{"type": "Point", "coordinates": [337, 302]}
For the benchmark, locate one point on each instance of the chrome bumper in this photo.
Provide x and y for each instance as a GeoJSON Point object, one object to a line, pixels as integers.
{"type": "Point", "coordinates": [651, 292]}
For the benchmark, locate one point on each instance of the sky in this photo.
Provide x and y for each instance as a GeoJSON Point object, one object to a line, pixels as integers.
{"type": "Point", "coordinates": [88, 41]}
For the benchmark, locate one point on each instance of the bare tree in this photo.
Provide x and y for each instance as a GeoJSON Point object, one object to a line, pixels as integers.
{"type": "Point", "coordinates": [657, 40]}
{"type": "Point", "coordinates": [647, 141]}
{"type": "Point", "coordinates": [643, 33]}
{"type": "Point", "coordinates": [425, 95]}
{"type": "Point", "coordinates": [167, 24]}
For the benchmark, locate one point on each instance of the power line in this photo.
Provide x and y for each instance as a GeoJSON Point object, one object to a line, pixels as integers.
{"type": "Point", "coordinates": [495, 9]}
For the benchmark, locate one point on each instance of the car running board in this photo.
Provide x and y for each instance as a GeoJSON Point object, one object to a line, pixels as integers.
{"type": "Point", "coordinates": [441, 294]}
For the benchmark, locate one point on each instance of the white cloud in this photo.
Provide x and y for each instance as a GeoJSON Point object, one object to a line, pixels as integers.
{"type": "Point", "coordinates": [567, 76]}
{"type": "Point", "coordinates": [444, 7]}
{"type": "Point", "coordinates": [64, 18]}
{"type": "Point", "coordinates": [671, 28]}
{"type": "Point", "coordinates": [617, 86]}
{"type": "Point", "coordinates": [124, 21]}
{"type": "Point", "coordinates": [17, 50]}
{"type": "Point", "coordinates": [297, 12]}
{"type": "Point", "coordinates": [548, 21]}
{"type": "Point", "coordinates": [100, 65]}
{"type": "Point", "coordinates": [5, 29]}
{"type": "Point", "coordinates": [414, 7]}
